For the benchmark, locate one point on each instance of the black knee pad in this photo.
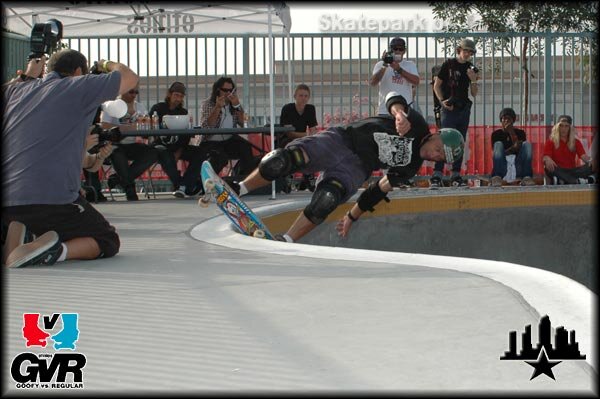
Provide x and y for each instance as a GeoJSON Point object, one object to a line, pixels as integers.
{"type": "Point", "coordinates": [281, 162]}
{"type": "Point", "coordinates": [327, 197]}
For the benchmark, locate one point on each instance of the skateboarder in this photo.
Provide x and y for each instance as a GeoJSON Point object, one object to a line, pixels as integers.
{"type": "Point", "coordinates": [347, 155]}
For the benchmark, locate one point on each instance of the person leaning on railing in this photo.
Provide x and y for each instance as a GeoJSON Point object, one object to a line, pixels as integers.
{"type": "Point", "coordinates": [44, 130]}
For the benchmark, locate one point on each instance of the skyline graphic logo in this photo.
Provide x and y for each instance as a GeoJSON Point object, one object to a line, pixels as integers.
{"type": "Point", "coordinates": [565, 347]}
{"type": "Point", "coordinates": [59, 370]}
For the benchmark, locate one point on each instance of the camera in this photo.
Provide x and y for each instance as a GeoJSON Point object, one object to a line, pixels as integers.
{"type": "Point", "coordinates": [112, 135]}
{"type": "Point", "coordinates": [45, 38]}
{"type": "Point", "coordinates": [388, 58]}
{"type": "Point", "coordinates": [95, 69]}
{"type": "Point", "coordinates": [474, 68]}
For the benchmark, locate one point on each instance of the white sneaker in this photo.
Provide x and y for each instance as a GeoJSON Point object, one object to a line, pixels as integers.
{"type": "Point", "coordinates": [180, 192]}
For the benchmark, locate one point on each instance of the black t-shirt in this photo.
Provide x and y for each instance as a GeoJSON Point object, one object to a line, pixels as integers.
{"type": "Point", "coordinates": [171, 142]}
{"type": "Point", "coordinates": [378, 145]}
{"type": "Point", "coordinates": [290, 116]}
{"type": "Point", "coordinates": [455, 81]}
{"type": "Point", "coordinates": [504, 137]}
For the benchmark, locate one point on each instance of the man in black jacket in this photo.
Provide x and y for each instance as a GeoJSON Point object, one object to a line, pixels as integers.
{"type": "Point", "coordinates": [348, 155]}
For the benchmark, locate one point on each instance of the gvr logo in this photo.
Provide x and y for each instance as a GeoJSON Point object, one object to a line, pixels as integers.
{"type": "Point", "coordinates": [45, 366]}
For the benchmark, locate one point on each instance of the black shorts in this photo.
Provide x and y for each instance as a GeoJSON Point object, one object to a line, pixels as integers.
{"type": "Point", "coordinates": [79, 219]}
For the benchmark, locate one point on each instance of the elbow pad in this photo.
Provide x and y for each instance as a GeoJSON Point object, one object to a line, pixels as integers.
{"type": "Point", "coordinates": [371, 197]}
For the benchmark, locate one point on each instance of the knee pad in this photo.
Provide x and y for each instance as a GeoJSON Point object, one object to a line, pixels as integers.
{"type": "Point", "coordinates": [281, 162]}
{"type": "Point", "coordinates": [326, 198]}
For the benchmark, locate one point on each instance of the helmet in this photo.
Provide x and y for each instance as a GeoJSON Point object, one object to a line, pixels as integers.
{"type": "Point", "coordinates": [508, 112]}
{"type": "Point", "coordinates": [392, 98]}
{"type": "Point", "coordinates": [454, 144]}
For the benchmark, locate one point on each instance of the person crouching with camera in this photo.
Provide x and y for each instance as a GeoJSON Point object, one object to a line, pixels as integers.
{"type": "Point", "coordinates": [456, 78]}
{"type": "Point", "coordinates": [44, 134]}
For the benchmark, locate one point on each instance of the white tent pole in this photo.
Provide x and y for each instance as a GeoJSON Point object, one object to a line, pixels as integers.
{"type": "Point", "coordinates": [271, 94]}
{"type": "Point", "coordinates": [289, 59]}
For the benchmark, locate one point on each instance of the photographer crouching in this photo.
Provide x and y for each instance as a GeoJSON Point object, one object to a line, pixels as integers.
{"type": "Point", "coordinates": [44, 132]}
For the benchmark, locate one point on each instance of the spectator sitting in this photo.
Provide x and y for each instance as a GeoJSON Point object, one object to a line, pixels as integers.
{"type": "Point", "coordinates": [172, 148]}
{"type": "Point", "coordinates": [223, 110]}
{"type": "Point", "coordinates": [507, 142]}
{"type": "Point", "coordinates": [41, 172]}
{"type": "Point", "coordinates": [93, 162]}
{"type": "Point", "coordinates": [142, 155]}
{"type": "Point", "coordinates": [560, 153]}
{"type": "Point", "coordinates": [303, 117]}
{"type": "Point", "coordinates": [92, 179]}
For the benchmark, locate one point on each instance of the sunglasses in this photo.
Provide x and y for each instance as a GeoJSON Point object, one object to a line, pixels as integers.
{"type": "Point", "coordinates": [399, 48]}
{"type": "Point", "coordinates": [226, 90]}
{"type": "Point", "coordinates": [134, 92]}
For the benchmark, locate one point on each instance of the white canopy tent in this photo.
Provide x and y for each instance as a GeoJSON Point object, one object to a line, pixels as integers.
{"type": "Point", "coordinates": [93, 19]}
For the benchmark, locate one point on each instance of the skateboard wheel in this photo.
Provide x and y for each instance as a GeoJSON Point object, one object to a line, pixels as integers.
{"type": "Point", "coordinates": [258, 234]}
{"type": "Point", "coordinates": [209, 185]}
{"type": "Point", "coordinates": [203, 202]}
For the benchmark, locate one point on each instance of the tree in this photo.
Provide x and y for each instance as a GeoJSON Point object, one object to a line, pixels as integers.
{"type": "Point", "coordinates": [522, 18]}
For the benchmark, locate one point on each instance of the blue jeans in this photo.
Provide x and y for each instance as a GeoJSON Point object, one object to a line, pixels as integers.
{"type": "Point", "coordinates": [522, 160]}
{"type": "Point", "coordinates": [459, 120]}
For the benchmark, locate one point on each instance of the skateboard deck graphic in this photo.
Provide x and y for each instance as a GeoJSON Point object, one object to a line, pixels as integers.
{"type": "Point", "coordinates": [240, 214]}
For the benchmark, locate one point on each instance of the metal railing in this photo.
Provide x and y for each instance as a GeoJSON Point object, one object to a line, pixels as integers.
{"type": "Point", "coordinates": [337, 67]}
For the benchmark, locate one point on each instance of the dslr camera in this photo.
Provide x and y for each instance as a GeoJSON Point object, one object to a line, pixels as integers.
{"type": "Point", "coordinates": [105, 136]}
{"type": "Point", "coordinates": [388, 58]}
{"type": "Point", "coordinates": [45, 38]}
{"type": "Point", "coordinates": [474, 68]}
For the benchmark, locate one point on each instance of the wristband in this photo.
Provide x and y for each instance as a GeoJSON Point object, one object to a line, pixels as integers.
{"type": "Point", "coordinates": [237, 106]}
{"type": "Point", "coordinates": [105, 65]}
{"type": "Point", "coordinates": [349, 214]}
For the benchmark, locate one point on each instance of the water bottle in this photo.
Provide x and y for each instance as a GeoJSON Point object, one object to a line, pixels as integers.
{"type": "Point", "coordinates": [155, 121]}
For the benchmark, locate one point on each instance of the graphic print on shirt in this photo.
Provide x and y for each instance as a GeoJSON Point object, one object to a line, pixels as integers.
{"type": "Point", "coordinates": [394, 150]}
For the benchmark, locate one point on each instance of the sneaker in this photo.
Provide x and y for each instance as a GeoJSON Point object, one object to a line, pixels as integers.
{"type": "Point", "coordinates": [458, 181]}
{"type": "Point", "coordinates": [44, 250]}
{"type": "Point", "coordinates": [496, 181]}
{"type": "Point", "coordinates": [16, 235]}
{"type": "Point", "coordinates": [435, 182]}
{"type": "Point", "coordinates": [180, 192]}
{"type": "Point", "coordinates": [591, 179]}
{"type": "Point", "coordinates": [527, 181]}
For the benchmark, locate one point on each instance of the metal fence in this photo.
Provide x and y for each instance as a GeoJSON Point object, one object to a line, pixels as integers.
{"type": "Point", "coordinates": [337, 67]}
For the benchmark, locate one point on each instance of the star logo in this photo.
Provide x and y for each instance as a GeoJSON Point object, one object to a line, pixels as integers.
{"type": "Point", "coordinates": [542, 365]}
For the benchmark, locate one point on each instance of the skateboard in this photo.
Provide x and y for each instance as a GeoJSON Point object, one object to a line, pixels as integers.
{"type": "Point", "coordinates": [240, 214]}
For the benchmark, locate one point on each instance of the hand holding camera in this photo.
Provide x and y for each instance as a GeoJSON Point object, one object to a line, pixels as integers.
{"type": "Point", "coordinates": [472, 73]}
{"type": "Point", "coordinates": [104, 137]}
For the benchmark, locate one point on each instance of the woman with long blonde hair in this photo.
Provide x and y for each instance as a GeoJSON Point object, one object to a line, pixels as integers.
{"type": "Point", "coordinates": [560, 153]}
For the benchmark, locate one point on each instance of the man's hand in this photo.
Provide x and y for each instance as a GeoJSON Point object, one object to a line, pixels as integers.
{"type": "Point", "coordinates": [233, 99]}
{"type": "Point", "coordinates": [105, 151]}
{"type": "Point", "coordinates": [90, 141]}
{"type": "Point", "coordinates": [343, 226]}
{"type": "Point", "coordinates": [472, 75]}
{"type": "Point", "coordinates": [220, 102]}
{"type": "Point", "coordinates": [445, 105]}
{"type": "Point", "coordinates": [402, 124]}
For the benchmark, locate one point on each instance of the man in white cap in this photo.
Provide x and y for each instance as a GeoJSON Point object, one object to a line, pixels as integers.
{"type": "Point", "coordinates": [394, 73]}
{"type": "Point", "coordinates": [347, 155]}
{"type": "Point", "coordinates": [456, 77]}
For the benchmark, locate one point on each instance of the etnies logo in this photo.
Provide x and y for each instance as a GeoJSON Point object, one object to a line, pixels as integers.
{"type": "Point", "coordinates": [49, 370]}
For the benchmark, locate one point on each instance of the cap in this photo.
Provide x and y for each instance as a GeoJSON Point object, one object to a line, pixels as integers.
{"type": "Point", "coordinates": [467, 44]}
{"type": "Point", "coordinates": [393, 98]}
{"type": "Point", "coordinates": [508, 112]}
{"type": "Point", "coordinates": [397, 41]}
{"type": "Point", "coordinates": [566, 118]}
{"type": "Point", "coordinates": [454, 144]}
{"type": "Point", "coordinates": [177, 87]}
